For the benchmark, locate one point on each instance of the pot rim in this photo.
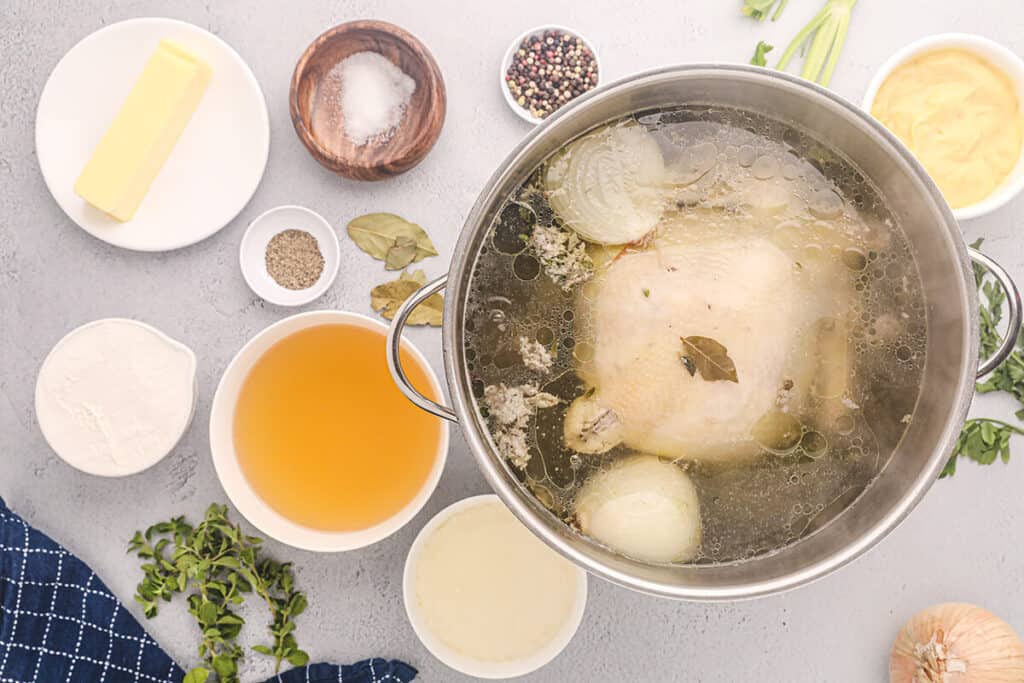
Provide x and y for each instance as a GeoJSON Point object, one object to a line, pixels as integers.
{"type": "Point", "coordinates": [491, 466]}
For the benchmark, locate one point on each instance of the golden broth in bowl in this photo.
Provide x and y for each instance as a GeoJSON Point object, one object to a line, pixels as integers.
{"type": "Point", "coordinates": [324, 437]}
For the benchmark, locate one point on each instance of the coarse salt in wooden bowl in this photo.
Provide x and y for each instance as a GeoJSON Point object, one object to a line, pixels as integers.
{"type": "Point", "coordinates": [316, 111]}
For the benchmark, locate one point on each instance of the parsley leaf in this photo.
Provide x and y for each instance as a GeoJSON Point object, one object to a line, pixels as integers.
{"type": "Point", "coordinates": [982, 440]}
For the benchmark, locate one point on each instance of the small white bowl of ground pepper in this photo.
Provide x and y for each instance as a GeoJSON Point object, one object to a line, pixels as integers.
{"type": "Point", "coordinates": [546, 68]}
{"type": "Point", "coordinates": [289, 255]}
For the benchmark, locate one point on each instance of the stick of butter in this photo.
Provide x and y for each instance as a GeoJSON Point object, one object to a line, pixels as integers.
{"type": "Point", "coordinates": [145, 130]}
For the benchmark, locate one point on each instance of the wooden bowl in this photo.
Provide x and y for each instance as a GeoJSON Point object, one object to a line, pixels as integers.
{"type": "Point", "coordinates": [316, 108]}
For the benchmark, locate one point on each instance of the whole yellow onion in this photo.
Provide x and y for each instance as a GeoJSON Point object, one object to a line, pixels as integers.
{"type": "Point", "coordinates": [956, 643]}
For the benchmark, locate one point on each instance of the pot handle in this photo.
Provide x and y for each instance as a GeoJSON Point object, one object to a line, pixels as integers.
{"type": "Point", "coordinates": [1013, 303]}
{"type": "Point", "coordinates": [394, 344]}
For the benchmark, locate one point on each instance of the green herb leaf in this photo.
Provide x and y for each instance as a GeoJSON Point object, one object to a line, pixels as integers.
{"type": "Point", "coordinates": [983, 440]}
{"type": "Point", "coordinates": [760, 53]}
{"type": "Point", "coordinates": [710, 359]}
{"type": "Point", "coordinates": [207, 613]}
{"type": "Point", "coordinates": [389, 297]}
{"type": "Point", "coordinates": [225, 666]}
{"type": "Point", "coordinates": [298, 658]}
{"type": "Point", "coordinates": [647, 293]}
{"type": "Point", "coordinates": [196, 675]}
{"type": "Point", "coordinates": [391, 239]}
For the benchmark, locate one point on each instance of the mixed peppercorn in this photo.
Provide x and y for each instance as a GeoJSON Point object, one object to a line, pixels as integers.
{"type": "Point", "coordinates": [550, 69]}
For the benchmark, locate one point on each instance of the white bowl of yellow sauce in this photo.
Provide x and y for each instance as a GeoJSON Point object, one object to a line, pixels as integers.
{"type": "Point", "coordinates": [956, 101]}
{"type": "Point", "coordinates": [312, 441]}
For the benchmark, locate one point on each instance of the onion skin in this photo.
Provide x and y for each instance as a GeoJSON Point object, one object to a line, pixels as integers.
{"type": "Point", "coordinates": [956, 643]}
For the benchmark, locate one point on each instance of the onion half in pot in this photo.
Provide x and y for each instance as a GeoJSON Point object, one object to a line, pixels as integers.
{"type": "Point", "coordinates": [607, 186]}
{"type": "Point", "coordinates": [643, 507]}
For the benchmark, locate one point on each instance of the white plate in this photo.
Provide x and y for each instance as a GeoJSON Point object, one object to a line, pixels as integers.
{"type": "Point", "coordinates": [211, 173]}
{"type": "Point", "coordinates": [252, 253]}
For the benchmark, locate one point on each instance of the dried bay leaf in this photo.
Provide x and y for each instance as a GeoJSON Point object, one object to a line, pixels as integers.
{"type": "Point", "coordinates": [387, 298]}
{"type": "Point", "coordinates": [709, 358]}
{"type": "Point", "coordinates": [391, 239]}
{"type": "Point", "coordinates": [400, 255]}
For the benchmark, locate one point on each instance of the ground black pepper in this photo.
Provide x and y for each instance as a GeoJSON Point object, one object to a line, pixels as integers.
{"type": "Point", "coordinates": [549, 70]}
{"type": "Point", "coordinates": [294, 260]}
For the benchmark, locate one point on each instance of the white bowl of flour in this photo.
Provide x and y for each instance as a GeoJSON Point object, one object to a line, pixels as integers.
{"type": "Point", "coordinates": [114, 396]}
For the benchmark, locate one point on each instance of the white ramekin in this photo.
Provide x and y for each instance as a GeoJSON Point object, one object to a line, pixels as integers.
{"type": "Point", "coordinates": [506, 61]}
{"type": "Point", "coordinates": [462, 663]}
{"type": "Point", "coordinates": [1000, 57]}
{"type": "Point", "coordinates": [253, 248]}
{"type": "Point", "coordinates": [225, 459]}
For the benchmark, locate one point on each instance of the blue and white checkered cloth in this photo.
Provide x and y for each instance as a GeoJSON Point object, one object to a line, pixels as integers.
{"type": "Point", "coordinates": [60, 623]}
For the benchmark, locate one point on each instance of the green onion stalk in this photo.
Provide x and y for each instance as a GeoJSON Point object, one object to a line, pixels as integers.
{"type": "Point", "coordinates": [826, 33]}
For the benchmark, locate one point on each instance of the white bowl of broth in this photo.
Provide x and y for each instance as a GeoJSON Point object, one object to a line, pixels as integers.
{"type": "Point", "coordinates": [313, 445]}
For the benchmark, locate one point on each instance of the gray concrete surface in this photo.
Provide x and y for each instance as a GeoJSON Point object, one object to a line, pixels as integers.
{"type": "Point", "coordinates": [962, 543]}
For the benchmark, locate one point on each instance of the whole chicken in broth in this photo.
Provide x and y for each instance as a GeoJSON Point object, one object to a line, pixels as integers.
{"type": "Point", "coordinates": [713, 291]}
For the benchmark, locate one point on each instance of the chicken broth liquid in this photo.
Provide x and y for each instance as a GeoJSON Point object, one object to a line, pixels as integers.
{"type": "Point", "coordinates": [765, 336]}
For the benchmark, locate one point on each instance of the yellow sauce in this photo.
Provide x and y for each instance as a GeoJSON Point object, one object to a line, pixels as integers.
{"type": "Point", "coordinates": [961, 118]}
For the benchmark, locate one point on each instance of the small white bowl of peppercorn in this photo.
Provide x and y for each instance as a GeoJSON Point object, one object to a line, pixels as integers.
{"type": "Point", "coordinates": [546, 68]}
{"type": "Point", "coordinates": [289, 255]}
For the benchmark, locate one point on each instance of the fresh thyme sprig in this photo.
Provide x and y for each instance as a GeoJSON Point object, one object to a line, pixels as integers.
{"type": "Point", "coordinates": [220, 565]}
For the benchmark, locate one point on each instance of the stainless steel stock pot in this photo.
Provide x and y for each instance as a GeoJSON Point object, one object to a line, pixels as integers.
{"type": "Point", "coordinates": [944, 262]}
